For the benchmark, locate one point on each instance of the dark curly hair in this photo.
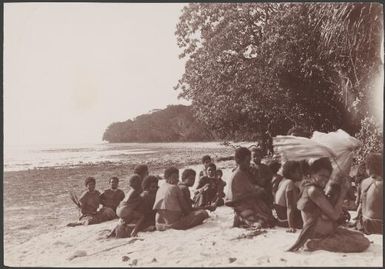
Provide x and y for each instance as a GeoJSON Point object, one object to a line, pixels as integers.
{"type": "Point", "coordinates": [289, 168]}
{"type": "Point", "coordinates": [322, 163]}
{"type": "Point", "coordinates": [241, 153]}
{"type": "Point", "coordinates": [147, 181]}
{"type": "Point", "coordinates": [88, 180]}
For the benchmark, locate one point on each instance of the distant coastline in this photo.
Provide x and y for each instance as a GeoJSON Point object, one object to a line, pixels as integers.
{"type": "Point", "coordinates": [176, 123]}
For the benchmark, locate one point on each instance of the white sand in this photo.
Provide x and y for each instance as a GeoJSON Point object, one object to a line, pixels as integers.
{"type": "Point", "coordinates": [210, 244]}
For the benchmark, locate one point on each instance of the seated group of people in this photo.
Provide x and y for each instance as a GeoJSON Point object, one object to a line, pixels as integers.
{"type": "Point", "coordinates": [146, 206]}
{"type": "Point", "coordinates": [296, 195]}
{"type": "Point", "coordinates": [300, 196]}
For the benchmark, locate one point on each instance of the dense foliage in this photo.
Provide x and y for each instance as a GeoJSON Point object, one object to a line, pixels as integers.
{"type": "Point", "coordinates": [175, 123]}
{"type": "Point", "coordinates": [253, 67]}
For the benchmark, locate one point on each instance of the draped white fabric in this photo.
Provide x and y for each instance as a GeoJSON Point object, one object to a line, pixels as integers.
{"type": "Point", "coordinates": [338, 146]}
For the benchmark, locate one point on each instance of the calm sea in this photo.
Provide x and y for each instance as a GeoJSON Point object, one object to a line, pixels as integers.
{"type": "Point", "coordinates": [28, 157]}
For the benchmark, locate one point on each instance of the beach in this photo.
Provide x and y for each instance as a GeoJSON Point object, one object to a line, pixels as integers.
{"type": "Point", "coordinates": [37, 208]}
{"type": "Point", "coordinates": [37, 200]}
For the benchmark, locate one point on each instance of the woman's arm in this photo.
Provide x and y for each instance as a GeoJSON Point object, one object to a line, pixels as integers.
{"type": "Point", "coordinates": [138, 226]}
{"type": "Point", "coordinates": [319, 198]}
{"type": "Point", "coordinates": [290, 205]}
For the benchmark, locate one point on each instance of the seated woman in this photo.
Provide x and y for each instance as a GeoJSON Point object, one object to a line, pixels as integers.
{"type": "Point", "coordinates": [321, 216]}
{"type": "Point", "coordinates": [245, 198]}
{"type": "Point", "coordinates": [286, 195]}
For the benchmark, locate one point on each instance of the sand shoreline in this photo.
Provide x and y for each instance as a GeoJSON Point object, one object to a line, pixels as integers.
{"type": "Point", "coordinates": [37, 200]}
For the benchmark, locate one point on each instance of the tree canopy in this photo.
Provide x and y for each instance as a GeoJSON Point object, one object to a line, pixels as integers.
{"type": "Point", "coordinates": [258, 66]}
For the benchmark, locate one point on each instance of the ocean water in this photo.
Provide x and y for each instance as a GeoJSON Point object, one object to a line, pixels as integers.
{"type": "Point", "coordinates": [33, 156]}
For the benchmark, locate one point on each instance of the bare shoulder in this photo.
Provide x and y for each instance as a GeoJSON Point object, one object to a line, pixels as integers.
{"type": "Point", "coordinates": [314, 192]}
{"type": "Point", "coordinates": [290, 185]}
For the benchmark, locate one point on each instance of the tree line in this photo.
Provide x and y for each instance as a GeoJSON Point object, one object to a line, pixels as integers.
{"type": "Point", "coordinates": [253, 67]}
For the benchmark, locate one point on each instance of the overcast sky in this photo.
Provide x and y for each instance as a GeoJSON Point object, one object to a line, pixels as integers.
{"type": "Point", "coordinates": [71, 69]}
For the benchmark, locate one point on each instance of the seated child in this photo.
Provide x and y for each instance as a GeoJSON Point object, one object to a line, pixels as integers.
{"type": "Point", "coordinates": [286, 197]}
{"type": "Point", "coordinates": [206, 160]}
{"type": "Point", "coordinates": [358, 178]}
{"type": "Point", "coordinates": [372, 196]}
{"type": "Point", "coordinates": [129, 211]}
{"type": "Point", "coordinates": [142, 171]}
{"type": "Point", "coordinates": [188, 180]}
{"type": "Point", "coordinates": [89, 203]}
{"type": "Point", "coordinates": [150, 187]}
{"type": "Point", "coordinates": [262, 175]}
{"type": "Point", "coordinates": [172, 209]}
{"type": "Point", "coordinates": [111, 197]}
{"type": "Point", "coordinates": [221, 186]}
{"type": "Point", "coordinates": [206, 192]}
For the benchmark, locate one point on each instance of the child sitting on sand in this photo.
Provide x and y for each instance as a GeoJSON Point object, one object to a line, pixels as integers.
{"type": "Point", "coordinates": [150, 187]}
{"type": "Point", "coordinates": [111, 197]}
{"type": "Point", "coordinates": [206, 160]}
{"type": "Point", "coordinates": [88, 204]}
{"type": "Point", "coordinates": [262, 174]}
{"type": "Point", "coordinates": [142, 171]}
{"type": "Point", "coordinates": [172, 209]}
{"type": "Point", "coordinates": [371, 200]}
{"type": "Point", "coordinates": [286, 197]}
{"type": "Point", "coordinates": [129, 210]}
{"type": "Point", "coordinates": [188, 180]}
{"type": "Point", "coordinates": [206, 192]}
{"type": "Point", "coordinates": [221, 186]}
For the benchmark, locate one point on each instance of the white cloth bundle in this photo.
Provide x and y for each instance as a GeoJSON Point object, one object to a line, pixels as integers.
{"type": "Point", "coordinates": [338, 146]}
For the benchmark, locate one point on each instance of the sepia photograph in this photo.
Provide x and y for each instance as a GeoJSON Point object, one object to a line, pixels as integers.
{"type": "Point", "coordinates": [237, 134]}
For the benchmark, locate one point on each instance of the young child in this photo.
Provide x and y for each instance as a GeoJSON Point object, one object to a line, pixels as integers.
{"type": "Point", "coordinates": [150, 187]}
{"type": "Point", "coordinates": [206, 192]}
{"type": "Point", "coordinates": [262, 174]}
{"type": "Point", "coordinates": [206, 160]}
{"type": "Point", "coordinates": [142, 171]}
{"type": "Point", "coordinates": [221, 186]}
{"type": "Point", "coordinates": [371, 204]}
{"type": "Point", "coordinates": [111, 197]}
{"type": "Point", "coordinates": [286, 197]}
{"type": "Point", "coordinates": [89, 203]}
{"type": "Point", "coordinates": [129, 211]}
{"type": "Point", "coordinates": [188, 180]}
{"type": "Point", "coordinates": [172, 210]}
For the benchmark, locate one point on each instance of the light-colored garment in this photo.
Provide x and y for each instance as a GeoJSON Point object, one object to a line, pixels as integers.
{"type": "Point", "coordinates": [170, 197]}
